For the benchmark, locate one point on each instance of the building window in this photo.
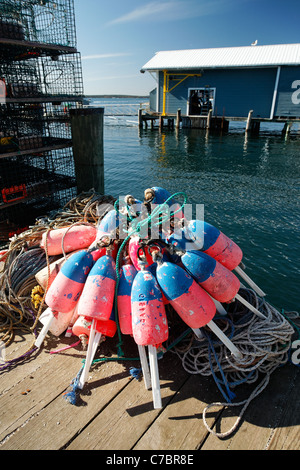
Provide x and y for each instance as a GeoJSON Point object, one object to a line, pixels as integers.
{"type": "Point", "coordinates": [200, 101]}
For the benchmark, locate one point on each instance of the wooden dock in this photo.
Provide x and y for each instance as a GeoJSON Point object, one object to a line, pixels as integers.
{"type": "Point", "coordinates": [210, 122]}
{"type": "Point", "coordinates": [115, 411]}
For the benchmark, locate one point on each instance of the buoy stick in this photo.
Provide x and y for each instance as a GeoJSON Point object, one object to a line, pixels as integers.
{"type": "Point", "coordinates": [221, 310]}
{"type": "Point", "coordinates": [92, 347]}
{"type": "Point", "coordinates": [198, 333]}
{"type": "Point", "coordinates": [219, 333]}
{"type": "Point", "coordinates": [253, 309]}
{"type": "Point", "coordinates": [249, 281]}
{"type": "Point", "coordinates": [145, 367]}
{"type": "Point", "coordinates": [96, 344]}
{"type": "Point", "coordinates": [44, 331]}
{"type": "Point", "coordinates": [154, 377]}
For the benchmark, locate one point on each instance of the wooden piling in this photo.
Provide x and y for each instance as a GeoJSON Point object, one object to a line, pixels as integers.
{"type": "Point", "coordinates": [178, 119]}
{"type": "Point", "coordinates": [88, 149]}
{"type": "Point", "coordinates": [140, 114]}
{"type": "Point", "coordinates": [248, 125]}
{"type": "Point", "coordinates": [287, 128]}
{"type": "Point", "coordinates": [208, 122]}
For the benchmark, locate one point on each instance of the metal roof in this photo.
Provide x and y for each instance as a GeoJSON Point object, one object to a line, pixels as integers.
{"type": "Point", "coordinates": [247, 56]}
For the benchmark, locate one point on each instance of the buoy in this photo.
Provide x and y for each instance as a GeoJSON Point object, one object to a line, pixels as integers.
{"type": "Point", "coordinates": [68, 285]}
{"type": "Point", "coordinates": [134, 206]}
{"type": "Point", "coordinates": [65, 290]}
{"type": "Point", "coordinates": [158, 195]}
{"type": "Point", "coordinates": [97, 329]}
{"type": "Point", "coordinates": [216, 244]}
{"type": "Point", "coordinates": [71, 239]}
{"type": "Point", "coordinates": [60, 323]}
{"type": "Point", "coordinates": [149, 320]}
{"type": "Point", "coordinates": [108, 225]}
{"type": "Point", "coordinates": [217, 280]}
{"type": "Point", "coordinates": [149, 323]}
{"type": "Point", "coordinates": [82, 329]}
{"type": "Point", "coordinates": [127, 275]}
{"type": "Point", "coordinates": [134, 250]}
{"type": "Point", "coordinates": [74, 317]}
{"type": "Point", "coordinates": [190, 301]}
{"type": "Point", "coordinates": [96, 300]}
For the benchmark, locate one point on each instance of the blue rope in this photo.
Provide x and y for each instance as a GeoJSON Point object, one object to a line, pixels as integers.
{"type": "Point", "coordinates": [72, 395]}
{"type": "Point", "coordinates": [230, 395]}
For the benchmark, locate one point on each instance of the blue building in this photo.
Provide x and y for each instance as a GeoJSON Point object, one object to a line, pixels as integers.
{"type": "Point", "coordinates": [230, 81]}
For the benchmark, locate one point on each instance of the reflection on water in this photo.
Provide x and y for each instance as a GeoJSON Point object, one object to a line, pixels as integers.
{"type": "Point", "coordinates": [249, 186]}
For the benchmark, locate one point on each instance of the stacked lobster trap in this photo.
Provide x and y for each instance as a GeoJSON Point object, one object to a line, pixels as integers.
{"type": "Point", "coordinates": [41, 80]}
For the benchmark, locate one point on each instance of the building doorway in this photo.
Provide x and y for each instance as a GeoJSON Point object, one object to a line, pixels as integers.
{"type": "Point", "coordinates": [200, 101]}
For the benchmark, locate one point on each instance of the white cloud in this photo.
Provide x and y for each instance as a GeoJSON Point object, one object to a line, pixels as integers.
{"type": "Point", "coordinates": [112, 77]}
{"type": "Point", "coordinates": [149, 11]}
{"type": "Point", "coordinates": [105, 56]}
{"type": "Point", "coordinates": [172, 10]}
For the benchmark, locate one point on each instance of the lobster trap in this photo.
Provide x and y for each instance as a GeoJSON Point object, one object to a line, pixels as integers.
{"type": "Point", "coordinates": [41, 74]}
{"type": "Point", "coordinates": [41, 21]}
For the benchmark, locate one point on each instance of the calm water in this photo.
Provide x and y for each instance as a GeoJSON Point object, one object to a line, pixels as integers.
{"type": "Point", "coordinates": [249, 186]}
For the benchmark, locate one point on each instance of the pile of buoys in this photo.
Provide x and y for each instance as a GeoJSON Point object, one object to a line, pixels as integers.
{"type": "Point", "coordinates": [105, 282]}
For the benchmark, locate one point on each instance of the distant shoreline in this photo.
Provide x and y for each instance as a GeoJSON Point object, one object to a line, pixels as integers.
{"type": "Point", "coordinates": [116, 96]}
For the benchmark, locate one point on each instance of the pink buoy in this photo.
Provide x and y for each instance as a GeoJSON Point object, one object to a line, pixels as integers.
{"type": "Point", "coordinates": [191, 302]}
{"type": "Point", "coordinates": [149, 324]}
{"type": "Point", "coordinates": [82, 329]}
{"type": "Point", "coordinates": [71, 239]}
{"type": "Point", "coordinates": [215, 243]}
{"type": "Point", "coordinates": [97, 298]}
{"type": "Point", "coordinates": [217, 280]}
{"type": "Point", "coordinates": [68, 285]}
{"type": "Point", "coordinates": [149, 320]}
{"type": "Point", "coordinates": [134, 249]}
{"type": "Point", "coordinates": [107, 327]}
{"type": "Point", "coordinates": [127, 275]}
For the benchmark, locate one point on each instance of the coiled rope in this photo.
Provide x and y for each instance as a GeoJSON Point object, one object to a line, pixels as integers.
{"type": "Point", "coordinates": [24, 258]}
{"type": "Point", "coordinates": [264, 344]}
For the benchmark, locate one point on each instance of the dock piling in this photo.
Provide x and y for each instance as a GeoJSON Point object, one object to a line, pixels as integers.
{"type": "Point", "coordinates": [249, 120]}
{"type": "Point", "coordinates": [88, 149]}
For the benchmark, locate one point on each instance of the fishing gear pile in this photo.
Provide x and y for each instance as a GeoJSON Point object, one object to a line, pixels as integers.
{"type": "Point", "coordinates": [103, 267]}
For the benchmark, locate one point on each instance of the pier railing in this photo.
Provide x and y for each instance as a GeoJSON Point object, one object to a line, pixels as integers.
{"type": "Point", "coordinates": [130, 109]}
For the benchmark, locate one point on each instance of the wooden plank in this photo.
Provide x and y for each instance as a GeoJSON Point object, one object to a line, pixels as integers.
{"type": "Point", "coordinates": [128, 416]}
{"type": "Point", "coordinates": [54, 425]}
{"type": "Point", "coordinates": [180, 426]}
{"type": "Point", "coordinates": [66, 143]}
{"type": "Point", "coordinates": [38, 45]}
{"type": "Point", "coordinates": [22, 343]}
{"type": "Point", "coordinates": [36, 391]}
{"type": "Point", "coordinates": [286, 435]}
{"type": "Point", "coordinates": [262, 416]}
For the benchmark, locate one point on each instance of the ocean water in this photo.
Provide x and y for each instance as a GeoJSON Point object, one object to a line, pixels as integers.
{"type": "Point", "coordinates": [250, 188]}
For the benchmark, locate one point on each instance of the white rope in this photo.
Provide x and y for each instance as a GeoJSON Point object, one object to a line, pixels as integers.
{"type": "Point", "coordinates": [264, 343]}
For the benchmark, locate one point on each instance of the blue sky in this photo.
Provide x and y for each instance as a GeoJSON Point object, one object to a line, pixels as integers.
{"type": "Point", "coordinates": [116, 37]}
